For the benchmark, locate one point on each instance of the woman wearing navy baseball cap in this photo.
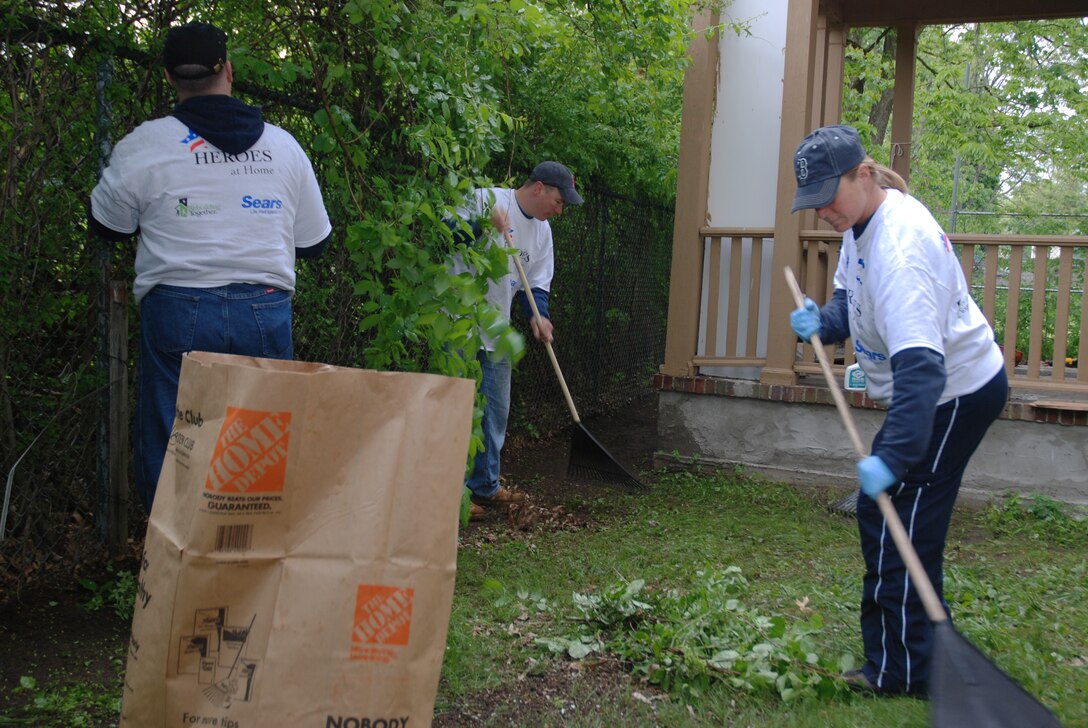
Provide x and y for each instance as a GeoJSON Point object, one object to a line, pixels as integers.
{"type": "Point", "coordinates": [928, 354]}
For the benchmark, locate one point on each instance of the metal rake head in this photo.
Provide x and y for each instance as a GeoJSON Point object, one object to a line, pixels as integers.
{"type": "Point", "coordinates": [590, 460]}
{"type": "Point", "coordinates": [847, 506]}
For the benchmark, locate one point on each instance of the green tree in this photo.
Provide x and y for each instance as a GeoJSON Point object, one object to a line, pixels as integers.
{"type": "Point", "coordinates": [403, 107]}
{"type": "Point", "coordinates": [999, 138]}
{"type": "Point", "coordinates": [415, 104]}
{"type": "Point", "coordinates": [1000, 102]}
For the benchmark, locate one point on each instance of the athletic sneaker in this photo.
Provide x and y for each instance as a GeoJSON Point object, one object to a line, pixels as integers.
{"type": "Point", "coordinates": [858, 680]}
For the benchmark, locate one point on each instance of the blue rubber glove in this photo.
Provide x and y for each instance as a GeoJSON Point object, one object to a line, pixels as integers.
{"type": "Point", "coordinates": [874, 476]}
{"type": "Point", "coordinates": [805, 321]}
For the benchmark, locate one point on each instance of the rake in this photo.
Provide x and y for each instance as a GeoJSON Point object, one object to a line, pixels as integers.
{"type": "Point", "coordinates": [967, 689]}
{"type": "Point", "coordinates": [220, 693]}
{"type": "Point", "coordinates": [588, 457]}
{"type": "Point", "coordinates": [847, 505]}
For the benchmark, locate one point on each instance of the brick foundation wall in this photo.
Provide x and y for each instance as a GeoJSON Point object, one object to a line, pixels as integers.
{"type": "Point", "coordinates": [1020, 410]}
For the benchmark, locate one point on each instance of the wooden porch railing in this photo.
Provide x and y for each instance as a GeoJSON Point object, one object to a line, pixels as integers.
{"type": "Point", "coordinates": [1031, 289]}
{"type": "Point", "coordinates": [731, 320]}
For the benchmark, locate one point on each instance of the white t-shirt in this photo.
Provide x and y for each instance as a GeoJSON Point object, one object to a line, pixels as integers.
{"type": "Point", "coordinates": [905, 289]}
{"type": "Point", "coordinates": [208, 218]}
{"type": "Point", "coordinates": [532, 237]}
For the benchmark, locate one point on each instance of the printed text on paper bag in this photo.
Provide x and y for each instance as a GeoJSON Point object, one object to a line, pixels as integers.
{"type": "Point", "coordinates": [383, 618]}
{"type": "Point", "coordinates": [250, 453]}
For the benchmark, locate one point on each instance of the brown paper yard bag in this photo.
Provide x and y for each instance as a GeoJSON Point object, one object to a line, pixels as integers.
{"type": "Point", "coordinates": [300, 556]}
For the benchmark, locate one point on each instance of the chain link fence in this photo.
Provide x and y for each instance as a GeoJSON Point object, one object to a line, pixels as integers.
{"type": "Point", "coordinates": [54, 278]}
{"type": "Point", "coordinates": [64, 97]}
{"type": "Point", "coordinates": [609, 304]}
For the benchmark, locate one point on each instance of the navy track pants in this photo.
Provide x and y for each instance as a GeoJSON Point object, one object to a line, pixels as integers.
{"type": "Point", "coordinates": [896, 632]}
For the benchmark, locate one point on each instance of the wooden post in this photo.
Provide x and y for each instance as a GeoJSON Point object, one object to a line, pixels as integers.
{"type": "Point", "coordinates": [104, 359]}
{"type": "Point", "coordinates": [117, 500]}
{"type": "Point", "coordinates": [797, 103]}
{"type": "Point", "coordinates": [906, 42]}
{"type": "Point", "coordinates": [692, 188]}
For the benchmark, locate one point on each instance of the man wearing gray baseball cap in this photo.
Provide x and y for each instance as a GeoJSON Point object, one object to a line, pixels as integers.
{"type": "Point", "coordinates": [521, 216]}
{"type": "Point", "coordinates": [556, 175]}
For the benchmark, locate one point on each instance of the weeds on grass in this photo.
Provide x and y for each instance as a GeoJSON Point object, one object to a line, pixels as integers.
{"type": "Point", "coordinates": [1034, 629]}
{"type": "Point", "coordinates": [1018, 593]}
{"type": "Point", "coordinates": [686, 640]}
{"type": "Point", "coordinates": [517, 605]}
{"type": "Point", "coordinates": [1039, 518]}
{"type": "Point", "coordinates": [73, 705]}
{"type": "Point", "coordinates": [117, 593]}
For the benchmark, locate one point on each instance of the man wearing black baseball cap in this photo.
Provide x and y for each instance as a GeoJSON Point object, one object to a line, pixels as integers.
{"type": "Point", "coordinates": [223, 204]}
{"type": "Point", "coordinates": [522, 214]}
{"type": "Point", "coordinates": [194, 51]}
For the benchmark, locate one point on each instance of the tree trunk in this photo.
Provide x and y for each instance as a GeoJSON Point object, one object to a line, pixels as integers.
{"type": "Point", "coordinates": [881, 113]}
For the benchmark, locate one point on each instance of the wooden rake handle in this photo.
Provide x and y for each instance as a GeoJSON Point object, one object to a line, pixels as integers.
{"type": "Point", "coordinates": [917, 572]}
{"type": "Point", "coordinates": [539, 319]}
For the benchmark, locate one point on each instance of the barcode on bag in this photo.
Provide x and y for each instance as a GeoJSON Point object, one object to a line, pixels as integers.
{"type": "Point", "coordinates": [233, 538]}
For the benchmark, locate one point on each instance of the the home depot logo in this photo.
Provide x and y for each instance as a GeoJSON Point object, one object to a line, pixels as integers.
{"type": "Point", "coordinates": [383, 617]}
{"type": "Point", "coordinates": [251, 452]}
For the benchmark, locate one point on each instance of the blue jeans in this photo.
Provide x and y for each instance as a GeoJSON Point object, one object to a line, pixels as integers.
{"type": "Point", "coordinates": [484, 480]}
{"type": "Point", "coordinates": [241, 318]}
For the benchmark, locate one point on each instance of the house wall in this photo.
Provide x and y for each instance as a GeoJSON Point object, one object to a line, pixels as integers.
{"type": "Point", "coordinates": [744, 156]}
{"type": "Point", "coordinates": [748, 116]}
{"type": "Point", "coordinates": [795, 434]}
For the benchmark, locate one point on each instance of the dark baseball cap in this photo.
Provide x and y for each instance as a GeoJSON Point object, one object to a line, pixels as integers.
{"type": "Point", "coordinates": [556, 175]}
{"type": "Point", "coordinates": [195, 44]}
{"type": "Point", "coordinates": [821, 160]}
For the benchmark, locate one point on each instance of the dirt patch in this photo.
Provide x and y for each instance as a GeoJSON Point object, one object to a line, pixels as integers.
{"type": "Point", "coordinates": [552, 697]}
{"type": "Point", "coordinates": [629, 435]}
{"type": "Point", "coordinates": [48, 637]}
{"type": "Point", "coordinates": [539, 469]}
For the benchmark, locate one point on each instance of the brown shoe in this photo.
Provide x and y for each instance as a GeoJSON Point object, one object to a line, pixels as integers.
{"type": "Point", "coordinates": [501, 497]}
{"type": "Point", "coordinates": [476, 513]}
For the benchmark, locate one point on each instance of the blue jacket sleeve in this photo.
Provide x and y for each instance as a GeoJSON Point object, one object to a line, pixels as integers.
{"type": "Point", "coordinates": [104, 232]}
{"type": "Point", "coordinates": [835, 319]}
{"type": "Point", "coordinates": [460, 237]}
{"type": "Point", "coordinates": [313, 251]}
{"type": "Point", "coordinates": [541, 298]}
{"type": "Point", "coordinates": [919, 377]}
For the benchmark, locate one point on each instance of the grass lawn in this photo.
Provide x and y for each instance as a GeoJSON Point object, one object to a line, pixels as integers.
{"type": "Point", "coordinates": [710, 600]}
{"type": "Point", "coordinates": [1016, 578]}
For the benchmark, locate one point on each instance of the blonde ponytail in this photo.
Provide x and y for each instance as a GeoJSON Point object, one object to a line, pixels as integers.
{"type": "Point", "coordinates": [885, 176]}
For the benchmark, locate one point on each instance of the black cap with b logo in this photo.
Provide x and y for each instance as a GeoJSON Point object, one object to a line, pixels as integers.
{"type": "Point", "coordinates": [822, 158]}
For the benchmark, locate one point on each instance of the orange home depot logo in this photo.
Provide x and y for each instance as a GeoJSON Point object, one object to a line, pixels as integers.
{"type": "Point", "coordinates": [251, 452]}
{"type": "Point", "coordinates": [383, 616]}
